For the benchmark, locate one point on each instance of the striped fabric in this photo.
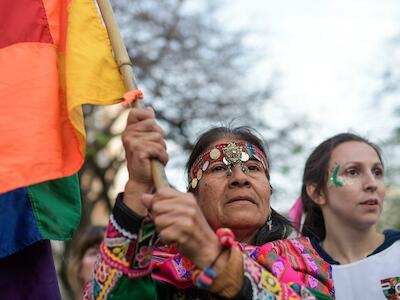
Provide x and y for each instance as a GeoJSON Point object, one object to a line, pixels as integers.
{"type": "Point", "coordinates": [49, 210]}
{"type": "Point", "coordinates": [54, 56]}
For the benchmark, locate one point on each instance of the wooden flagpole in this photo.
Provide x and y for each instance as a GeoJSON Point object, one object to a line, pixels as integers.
{"type": "Point", "coordinates": [126, 69]}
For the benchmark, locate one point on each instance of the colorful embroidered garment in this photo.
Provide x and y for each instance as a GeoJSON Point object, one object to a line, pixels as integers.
{"type": "Point", "coordinates": [127, 269]}
{"type": "Point", "coordinates": [295, 260]}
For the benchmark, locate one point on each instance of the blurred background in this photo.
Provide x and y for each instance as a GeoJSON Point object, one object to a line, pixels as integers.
{"type": "Point", "coordinates": [297, 71]}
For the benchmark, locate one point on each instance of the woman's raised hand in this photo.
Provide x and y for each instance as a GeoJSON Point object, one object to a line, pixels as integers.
{"type": "Point", "coordinates": [180, 220]}
{"type": "Point", "coordinates": [143, 140]}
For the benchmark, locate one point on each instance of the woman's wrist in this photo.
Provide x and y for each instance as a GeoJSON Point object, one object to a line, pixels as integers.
{"type": "Point", "coordinates": [132, 196]}
{"type": "Point", "coordinates": [212, 248]}
{"type": "Point", "coordinates": [124, 220]}
{"type": "Point", "coordinates": [206, 272]}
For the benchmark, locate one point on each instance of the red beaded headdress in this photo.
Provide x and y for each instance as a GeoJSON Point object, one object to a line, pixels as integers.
{"type": "Point", "coordinates": [232, 153]}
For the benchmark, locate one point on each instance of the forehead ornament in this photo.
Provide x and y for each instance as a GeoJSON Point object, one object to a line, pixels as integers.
{"type": "Point", "coordinates": [233, 153]}
{"type": "Point", "coordinates": [215, 153]}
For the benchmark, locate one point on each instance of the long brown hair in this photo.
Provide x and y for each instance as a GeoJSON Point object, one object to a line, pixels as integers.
{"type": "Point", "coordinates": [316, 172]}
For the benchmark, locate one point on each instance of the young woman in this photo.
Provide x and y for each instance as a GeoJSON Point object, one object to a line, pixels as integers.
{"type": "Point", "coordinates": [342, 212]}
{"type": "Point", "coordinates": [342, 194]}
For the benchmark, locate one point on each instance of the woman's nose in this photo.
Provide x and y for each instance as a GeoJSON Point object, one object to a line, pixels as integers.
{"type": "Point", "coordinates": [370, 182]}
{"type": "Point", "coordinates": [238, 176]}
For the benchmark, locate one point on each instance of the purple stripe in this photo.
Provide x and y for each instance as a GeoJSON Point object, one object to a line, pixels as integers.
{"type": "Point", "coordinates": [29, 274]}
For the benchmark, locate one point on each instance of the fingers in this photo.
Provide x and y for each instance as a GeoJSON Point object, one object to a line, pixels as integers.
{"type": "Point", "coordinates": [142, 120]}
{"type": "Point", "coordinates": [144, 126]}
{"type": "Point", "coordinates": [179, 220]}
{"type": "Point", "coordinates": [140, 114]}
{"type": "Point", "coordinates": [147, 200]}
{"type": "Point", "coordinates": [141, 148]}
{"type": "Point", "coordinates": [143, 138]}
{"type": "Point", "coordinates": [174, 214]}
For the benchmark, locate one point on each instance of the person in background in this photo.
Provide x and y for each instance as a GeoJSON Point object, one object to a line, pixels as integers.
{"type": "Point", "coordinates": [83, 256]}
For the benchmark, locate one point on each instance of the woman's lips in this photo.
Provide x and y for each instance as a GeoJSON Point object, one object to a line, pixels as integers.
{"type": "Point", "coordinates": [370, 202]}
{"type": "Point", "coordinates": [241, 199]}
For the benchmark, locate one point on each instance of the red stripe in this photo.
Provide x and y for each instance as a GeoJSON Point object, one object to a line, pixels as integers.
{"type": "Point", "coordinates": [23, 21]}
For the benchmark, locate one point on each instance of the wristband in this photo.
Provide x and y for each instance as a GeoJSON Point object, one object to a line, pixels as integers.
{"type": "Point", "coordinates": [203, 279]}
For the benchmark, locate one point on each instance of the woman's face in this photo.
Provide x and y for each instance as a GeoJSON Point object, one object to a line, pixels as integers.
{"type": "Point", "coordinates": [87, 263]}
{"type": "Point", "coordinates": [237, 199]}
{"type": "Point", "coordinates": [355, 189]}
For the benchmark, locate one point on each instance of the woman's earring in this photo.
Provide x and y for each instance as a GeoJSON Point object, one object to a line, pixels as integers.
{"type": "Point", "coordinates": [269, 221]}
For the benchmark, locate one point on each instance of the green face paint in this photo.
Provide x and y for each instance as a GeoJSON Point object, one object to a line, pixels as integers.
{"type": "Point", "coordinates": [339, 181]}
{"type": "Point", "coordinates": [333, 178]}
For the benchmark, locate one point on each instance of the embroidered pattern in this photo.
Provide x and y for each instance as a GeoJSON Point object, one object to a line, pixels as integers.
{"type": "Point", "coordinates": [121, 230]}
{"type": "Point", "coordinates": [294, 266]}
{"type": "Point", "coordinates": [264, 285]}
{"type": "Point", "coordinates": [132, 257]}
{"type": "Point", "coordinates": [105, 279]}
{"type": "Point", "coordinates": [295, 261]}
{"type": "Point", "coordinates": [145, 241]}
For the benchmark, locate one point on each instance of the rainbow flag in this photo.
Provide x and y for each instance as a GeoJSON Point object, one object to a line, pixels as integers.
{"type": "Point", "coordinates": [49, 210]}
{"type": "Point", "coordinates": [55, 56]}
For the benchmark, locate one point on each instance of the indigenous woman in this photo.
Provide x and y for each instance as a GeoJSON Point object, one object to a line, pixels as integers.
{"type": "Point", "coordinates": [207, 238]}
{"type": "Point", "coordinates": [342, 195]}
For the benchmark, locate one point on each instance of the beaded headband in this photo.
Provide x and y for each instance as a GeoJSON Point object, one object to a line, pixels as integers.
{"type": "Point", "coordinates": [232, 153]}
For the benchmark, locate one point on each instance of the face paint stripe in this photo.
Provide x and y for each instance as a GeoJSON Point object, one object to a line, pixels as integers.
{"type": "Point", "coordinates": [333, 177]}
{"type": "Point", "coordinates": [339, 181]}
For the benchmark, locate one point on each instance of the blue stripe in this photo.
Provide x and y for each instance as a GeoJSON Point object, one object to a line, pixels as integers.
{"type": "Point", "coordinates": [18, 228]}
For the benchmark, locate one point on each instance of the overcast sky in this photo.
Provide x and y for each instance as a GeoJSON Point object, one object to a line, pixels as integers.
{"type": "Point", "coordinates": [328, 55]}
{"type": "Point", "coordinates": [325, 58]}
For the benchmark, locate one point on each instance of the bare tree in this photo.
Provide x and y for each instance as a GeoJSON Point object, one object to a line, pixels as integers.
{"type": "Point", "coordinates": [192, 72]}
{"type": "Point", "coordinates": [389, 90]}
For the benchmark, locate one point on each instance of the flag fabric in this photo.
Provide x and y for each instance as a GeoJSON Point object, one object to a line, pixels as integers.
{"type": "Point", "coordinates": [49, 210]}
{"type": "Point", "coordinates": [29, 274]}
{"type": "Point", "coordinates": [55, 56]}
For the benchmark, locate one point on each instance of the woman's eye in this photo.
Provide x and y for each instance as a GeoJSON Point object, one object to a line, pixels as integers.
{"type": "Point", "coordinates": [352, 172]}
{"type": "Point", "coordinates": [378, 172]}
{"type": "Point", "coordinates": [218, 168]}
{"type": "Point", "coordinates": [253, 167]}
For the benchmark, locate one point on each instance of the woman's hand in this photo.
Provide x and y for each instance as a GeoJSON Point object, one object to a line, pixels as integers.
{"type": "Point", "coordinates": [179, 220]}
{"type": "Point", "coordinates": [143, 141]}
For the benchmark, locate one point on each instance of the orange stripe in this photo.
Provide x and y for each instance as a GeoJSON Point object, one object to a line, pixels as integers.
{"type": "Point", "coordinates": [37, 140]}
{"type": "Point", "coordinates": [57, 17]}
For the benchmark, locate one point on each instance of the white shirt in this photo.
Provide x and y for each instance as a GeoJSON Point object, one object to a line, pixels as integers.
{"type": "Point", "coordinates": [368, 278]}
